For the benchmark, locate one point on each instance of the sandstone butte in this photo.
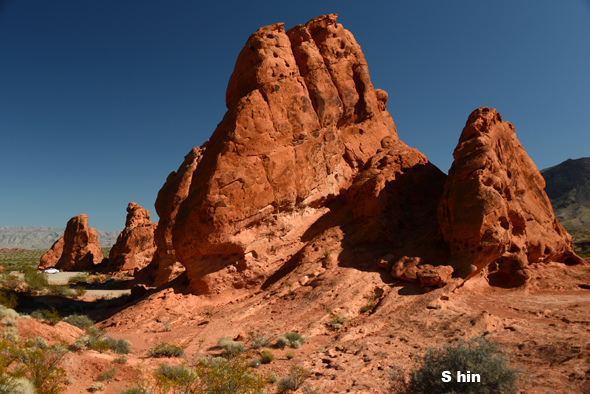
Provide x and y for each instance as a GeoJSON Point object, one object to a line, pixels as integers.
{"type": "Point", "coordinates": [135, 245]}
{"type": "Point", "coordinates": [77, 250]}
{"type": "Point", "coordinates": [307, 162]}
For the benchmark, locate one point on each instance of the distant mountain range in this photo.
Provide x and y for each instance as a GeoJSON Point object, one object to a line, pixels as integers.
{"type": "Point", "coordinates": [43, 237]}
{"type": "Point", "coordinates": [568, 188]}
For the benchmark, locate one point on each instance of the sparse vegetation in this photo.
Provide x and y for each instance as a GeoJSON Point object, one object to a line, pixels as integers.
{"type": "Point", "coordinates": [230, 347]}
{"type": "Point", "coordinates": [165, 350]}
{"type": "Point", "coordinates": [297, 375]}
{"type": "Point", "coordinates": [336, 321]}
{"type": "Point", "coordinates": [266, 357]}
{"type": "Point", "coordinates": [96, 387]}
{"type": "Point", "coordinates": [476, 355]}
{"type": "Point", "coordinates": [290, 339]}
{"type": "Point", "coordinates": [208, 375]}
{"type": "Point", "coordinates": [109, 374]}
{"type": "Point", "coordinates": [258, 339]}
{"type": "Point", "coordinates": [120, 360]}
{"type": "Point", "coordinates": [80, 321]}
{"type": "Point", "coordinates": [96, 339]}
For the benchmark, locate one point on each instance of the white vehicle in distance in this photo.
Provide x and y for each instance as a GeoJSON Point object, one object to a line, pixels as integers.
{"type": "Point", "coordinates": [51, 271]}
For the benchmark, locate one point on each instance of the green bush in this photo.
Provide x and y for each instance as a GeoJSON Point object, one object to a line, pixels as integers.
{"type": "Point", "coordinates": [221, 375]}
{"type": "Point", "coordinates": [290, 339]}
{"type": "Point", "coordinates": [255, 363]}
{"type": "Point", "coordinates": [477, 356]}
{"type": "Point", "coordinates": [80, 290]}
{"type": "Point", "coordinates": [266, 357]}
{"type": "Point", "coordinates": [50, 316]}
{"type": "Point", "coordinates": [96, 339]}
{"type": "Point", "coordinates": [165, 350]}
{"type": "Point", "coordinates": [35, 280]}
{"type": "Point", "coordinates": [209, 375]}
{"type": "Point", "coordinates": [80, 321]}
{"type": "Point", "coordinates": [8, 312]}
{"type": "Point", "coordinates": [297, 375]}
{"type": "Point", "coordinates": [8, 299]}
{"type": "Point", "coordinates": [41, 367]}
{"type": "Point", "coordinates": [60, 290]}
{"type": "Point", "coordinates": [230, 347]}
{"type": "Point", "coordinates": [120, 360]}
{"type": "Point", "coordinates": [95, 387]}
{"type": "Point", "coordinates": [109, 374]}
{"type": "Point", "coordinates": [258, 339]}
{"type": "Point", "coordinates": [80, 277]}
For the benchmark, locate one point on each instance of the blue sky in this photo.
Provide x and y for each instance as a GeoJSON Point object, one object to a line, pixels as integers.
{"type": "Point", "coordinates": [101, 100]}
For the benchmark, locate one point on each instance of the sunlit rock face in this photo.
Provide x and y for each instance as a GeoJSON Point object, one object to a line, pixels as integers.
{"type": "Point", "coordinates": [494, 213]}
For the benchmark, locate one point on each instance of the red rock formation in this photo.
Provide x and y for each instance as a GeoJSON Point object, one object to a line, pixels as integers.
{"type": "Point", "coordinates": [494, 212]}
{"type": "Point", "coordinates": [135, 245]}
{"type": "Point", "coordinates": [165, 266]}
{"type": "Point", "coordinates": [77, 250]}
{"type": "Point", "coordinates": [303, 119]}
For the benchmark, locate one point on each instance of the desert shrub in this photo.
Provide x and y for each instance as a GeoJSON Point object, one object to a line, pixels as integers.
{"type": "Point", "coordinates": [96, 339]}
{"type": "Point", "coordinates": [80, 277]}
{"type": "Point", "coordinates": [255, 363]}
{"type": "Point", "coordinates": [80, 321]}
{"type": "Point", "coordinates": [165, 350]}
{"type": "Point", "coordinates": [290, 339]}
{"type": "Point", "coordinates": [290, 354]}
{"type": "Point", "coordinates": [41, 367]}
{"type": "Point", "coordinates": [15, 385]}
{"type": "Point", "coordinates": [60, 290]}
{"type": "Point", "coordinates": [297, 375]}
{"type": "Point", "coordinates": [272, 378]}
{"type": "Point", "coordinates": [258, 339]}
{"type": "Point", "coordinates": [230, 347]}
{"type": "Point", "coordinates": [177, 376]}
{"type": "Point", "coordinates": [10, 334]}
{"type": "Point", "coordinates": [80, 290]}
{"type": "Point", "coordinates": [135, 390]}
{"type": "Point", "coordinates": [108, 374]}
{"type": "Point", "coordinates": [336, 321]}
{"type": "Point", "coordinates": [120, 360]}
{"type": "Point", "coordinates": [476, 355]}
{"type": "Point", "coordinates": [368, 307]}
{"type": "Point", "coordinates": [8, 299]}
{"type": "Point", "coordinates": [8, 312]}
{"type": "Point", "coordinates": [9, 322]}
{"type": "Point", "coordinates": [266, 357]}
{"type": "Point", "coordinates": [94, 387]}
{"type": "Point", "coordinates": [221, 375]}
{"type": "Point", "coordinates": [38, 342]}
{"type": "Point", "coordinates": [50, 316]}
{"type": "Point", "coordinates": [35, 280]}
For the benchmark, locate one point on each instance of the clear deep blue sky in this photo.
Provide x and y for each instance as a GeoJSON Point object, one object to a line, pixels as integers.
{"type": "Point", "coordinates": [101, 100]}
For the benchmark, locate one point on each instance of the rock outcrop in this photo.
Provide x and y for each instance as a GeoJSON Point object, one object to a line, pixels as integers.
{"type": "Point", "coordinates": [494, 212]}
{"type": "Point", "coordinates": [303, 118]}
{"type": "Point", "coordinates": [135, 245]}
{"type": "Point", "coordinates": [165, 266]}
{"type": "Point", "coordinates": [307, 159]}
{"type": "Point", "coordinates": [77, 250]}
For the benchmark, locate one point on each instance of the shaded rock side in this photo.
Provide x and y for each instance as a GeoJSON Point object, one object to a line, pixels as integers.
{"type": "Point", "coordinates": [303, 119]}
{"type": "Point", "coordinates": [494, 212]}
{"type": "Point", "coordinates": [135, 245]}
{"type": "Point", "coordinates": [165, 266]}
{"type": "Point", "coordinates": [77, 250]}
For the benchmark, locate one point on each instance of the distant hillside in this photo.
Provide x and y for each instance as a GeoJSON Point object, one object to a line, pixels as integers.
{"type": "Point", "coordinates": [568, 188]}
{"type": "Point", "coordinates": [44, 237]}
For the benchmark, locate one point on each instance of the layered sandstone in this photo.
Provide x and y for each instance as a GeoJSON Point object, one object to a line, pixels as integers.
{"type": "Point", "coordinates": [303, 118]}
{"type": "Point", "coordinates": [494, 213]}
{"type": "Point", "coordinates": [77, 250]}
{"type": "Point", "coordinates": [135, 245]}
